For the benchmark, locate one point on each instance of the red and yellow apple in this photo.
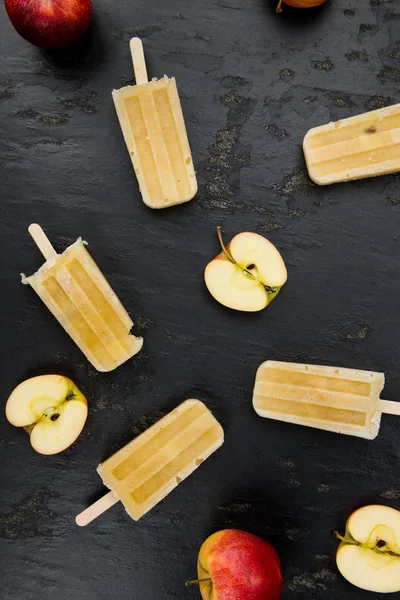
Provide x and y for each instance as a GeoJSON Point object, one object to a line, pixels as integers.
{"type": "Point", "coordinates": [369, 553]}
{"type": "Point", "coordinates": [50, 24]}
{"type": "Point", "coordinates": [51, 409]}
{"type": "Point", "coordinates": [235, 565]}
{"type": "Point", "coordinates": [247, 274]}
{"type": "Point", "coordinates": [299, 3]}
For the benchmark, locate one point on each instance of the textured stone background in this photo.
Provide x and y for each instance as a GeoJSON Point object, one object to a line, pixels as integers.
{"type": "Point", "coordinates": [252, 83]}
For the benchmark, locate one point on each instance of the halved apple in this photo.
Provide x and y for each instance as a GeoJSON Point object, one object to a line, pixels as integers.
{"type": "Point", "coordinates": [369, 553]}
{"type": "Point", "coordinates": [248, 273]}
{"type": "Point", "coordinates": [51, 409]}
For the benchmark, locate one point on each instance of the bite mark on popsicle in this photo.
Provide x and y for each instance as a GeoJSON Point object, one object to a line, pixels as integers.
{"type": "Point", "coordinates": [77, 293]}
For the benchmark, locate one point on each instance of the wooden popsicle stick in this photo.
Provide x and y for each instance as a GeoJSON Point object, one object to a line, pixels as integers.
{"type": "Point", "coordinates": [96, 509]}
{"type": "Point", "coordinates": [139, 63]}
{"type": "Point", "coordinates": [389, 407]}
{"type": "Point", "coordinates": [42, 241]}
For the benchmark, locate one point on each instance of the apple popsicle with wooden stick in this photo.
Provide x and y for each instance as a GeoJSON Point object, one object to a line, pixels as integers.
{"type": "Point", "coordinates": [74, 289]}
{"type": "Point", "coordinates": [151, 119]}
{"type": "Point", "coordinates": [331, 398]}
{"type": "Point", "coordinates": [150, 466]}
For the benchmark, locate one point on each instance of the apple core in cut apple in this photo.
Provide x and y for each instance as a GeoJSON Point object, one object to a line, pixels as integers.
{"type": "Point", "coordinates": [369, 552]}
{"type": "Point", "coordinates": [247, 274]}
{"type": "Point", "coordinates": [51, 409]}
{"type": "Point", "coordinates": [236, 565]}
{"type": "Point", "coordinates": [50, 24]}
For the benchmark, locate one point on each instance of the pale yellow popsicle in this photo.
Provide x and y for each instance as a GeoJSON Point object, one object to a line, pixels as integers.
{"type": "Point", "coordinates": [331, 398]}
{"type": "Point", "coordinates": [152, 123]}
{"type": "Point", "coordinates": [79, 296]}
{"type": "Point", "coordinates": [362, 146]}
{"type": "Point", "coordinates": [150, 466]}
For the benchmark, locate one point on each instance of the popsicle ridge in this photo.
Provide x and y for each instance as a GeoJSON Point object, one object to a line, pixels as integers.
{"type": "Point", "coordinates": [49, 264]}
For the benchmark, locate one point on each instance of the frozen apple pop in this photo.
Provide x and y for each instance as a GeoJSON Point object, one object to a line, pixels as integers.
{"type": "Point", "coordinates": [152, 123]}
{"type": "Point", "coordinates": [74, 289]}
{"type": "Point", "coordinates": [362, 146]}
{"type": "Point", "coordinates": [150, 466]}
{"type": "Point", "coordinates": [331, 398]}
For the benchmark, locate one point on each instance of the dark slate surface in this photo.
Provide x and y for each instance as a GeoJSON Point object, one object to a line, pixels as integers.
{"type": "Point", "coordinates": [252, 83]}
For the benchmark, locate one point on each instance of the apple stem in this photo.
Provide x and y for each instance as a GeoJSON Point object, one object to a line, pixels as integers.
{"type": "Point", "coordinates": [279, 7]}
{"type": "Point", "coordinates": [342, 539]}
{"type": "Point", "coordinates": [194, 581]}
{"type": "Point", "coordinates": [224, 250]}
{"type": "Point", "coordinates": [350, 540]}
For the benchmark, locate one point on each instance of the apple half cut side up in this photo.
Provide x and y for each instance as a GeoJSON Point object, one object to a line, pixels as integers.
{"type": "Point", "coordinates": [369, 553]}
{"type": "Point", "coordinates": [247, 274]}
{"type": "Point", "coordinates": [51, 409]}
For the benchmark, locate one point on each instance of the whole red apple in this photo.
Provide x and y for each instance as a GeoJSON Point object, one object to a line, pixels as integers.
{"type": "Point", "coordinates": [235, 565]}
{"type": "Point", "coordinates": [50, 24]}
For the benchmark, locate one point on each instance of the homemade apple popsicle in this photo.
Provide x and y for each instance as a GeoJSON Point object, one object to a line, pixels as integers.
{"type": "Point", "coordinates": [150, 466]}
{"type": "Point", "coordinates": [74, 289]}
{"type": "Point", "coordinates": [331, 398]}
{"type": "Point", "coordinates": [362, 146]}
{"type": "Point", "coordinates": [152, 123]}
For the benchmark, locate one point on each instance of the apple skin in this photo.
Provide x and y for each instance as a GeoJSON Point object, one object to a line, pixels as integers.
{"type": "Point", "coordinates": [241, 566]}
{"type": "Point", "coordinates": [50, 24]}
